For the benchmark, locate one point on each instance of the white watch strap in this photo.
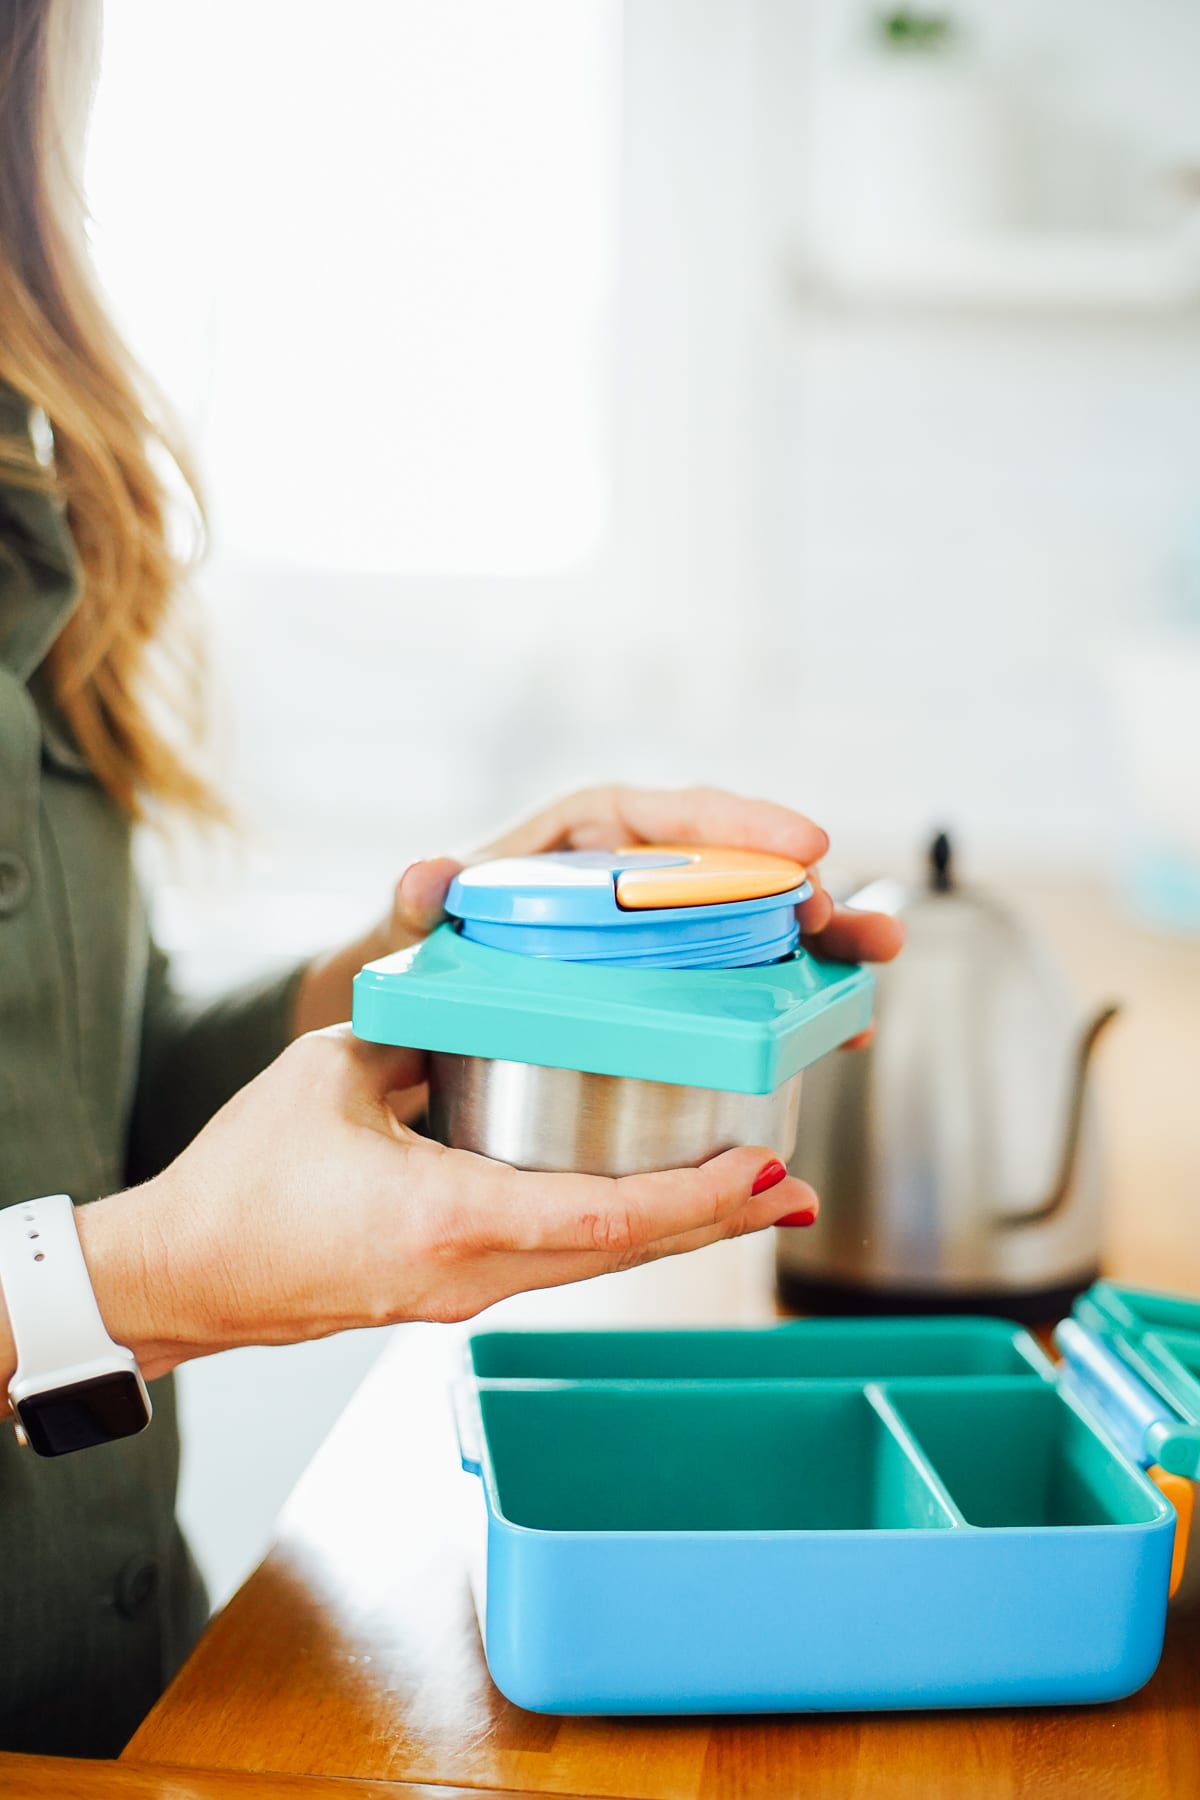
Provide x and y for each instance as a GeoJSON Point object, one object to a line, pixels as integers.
{"type": "Point", "coordinates": [55, 1322]}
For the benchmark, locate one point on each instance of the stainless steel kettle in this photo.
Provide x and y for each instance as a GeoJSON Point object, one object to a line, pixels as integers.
{"type": "Point", "coordinates": [956, 1158]}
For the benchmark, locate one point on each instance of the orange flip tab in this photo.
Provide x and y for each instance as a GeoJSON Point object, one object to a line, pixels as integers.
{"type": "Point", "coordinates": [1178, 1490]}
{"type": "Point", "coordinates": [705, 877]}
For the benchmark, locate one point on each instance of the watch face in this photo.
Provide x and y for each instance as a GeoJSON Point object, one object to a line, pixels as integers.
{"type": "Point", "coordinates": [86, 1413]}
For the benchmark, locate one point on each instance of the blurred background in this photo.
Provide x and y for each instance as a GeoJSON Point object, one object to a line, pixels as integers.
{"type": "Point", "coordinates": [797, 395]}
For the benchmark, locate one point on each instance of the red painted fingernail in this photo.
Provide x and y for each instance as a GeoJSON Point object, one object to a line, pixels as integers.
{"type": "Point", "coordinates": [807, 1216]}
{"type": "Point", "coordinates": [769, 1176]}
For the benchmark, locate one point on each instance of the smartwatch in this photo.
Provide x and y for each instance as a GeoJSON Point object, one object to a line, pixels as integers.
{"type": "Point", "coordinates": [73, 1387]}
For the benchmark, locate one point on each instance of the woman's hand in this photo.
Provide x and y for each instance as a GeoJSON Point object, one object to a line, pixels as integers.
{"type": "Point", "coordinates": [607, 818]}
{"type": "Point", "coordinates": [304, 1207]}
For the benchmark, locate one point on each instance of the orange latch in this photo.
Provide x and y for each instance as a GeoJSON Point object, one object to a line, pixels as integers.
{"type": "Point", "coordinates": [1178, 1490]}
{"type": "Point", "coordinates": [710, 877]}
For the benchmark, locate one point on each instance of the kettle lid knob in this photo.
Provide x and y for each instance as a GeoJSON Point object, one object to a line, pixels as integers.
{"type": "Point", "coordinates": [941, 864]}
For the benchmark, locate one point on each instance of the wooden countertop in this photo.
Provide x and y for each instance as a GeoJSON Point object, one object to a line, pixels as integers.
{"type": "Point", "coordinates": [66, 1778]}
{"type": "Point", "coordinates": [353, 1651]}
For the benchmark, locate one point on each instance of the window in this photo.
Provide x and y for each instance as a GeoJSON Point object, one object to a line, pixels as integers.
{"type": "Point", "coordinates": [370, 252]}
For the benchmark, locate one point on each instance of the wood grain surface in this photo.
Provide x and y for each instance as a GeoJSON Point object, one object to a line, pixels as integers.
{"type": "Point", "coordinates": [62, 1778]}
{"type": "Point", "coordinates": [353, 1651]}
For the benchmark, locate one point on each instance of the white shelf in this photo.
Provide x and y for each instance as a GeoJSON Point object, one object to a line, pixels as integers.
{"type": "Point", "coordinates": [1034, 271]}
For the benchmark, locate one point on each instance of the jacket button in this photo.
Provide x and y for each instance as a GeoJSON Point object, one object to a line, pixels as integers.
{"type": "Point", "coordinates": [15, 882]}
{"type": "Point", "coordinates": [137, 1585]}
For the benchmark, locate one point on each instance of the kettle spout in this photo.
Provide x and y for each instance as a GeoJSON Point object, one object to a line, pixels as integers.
{"type": "Point", "coordinates": [1047, 1208]}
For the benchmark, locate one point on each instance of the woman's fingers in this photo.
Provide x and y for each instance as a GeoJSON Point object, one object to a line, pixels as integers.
{"type": "Point", "coordinates": [844, 934]}
{"type": "Point", "coordinates": [551, 829]}
{"type": "Point", "coordinates": [710, 816]}
{"type": "Point", "coordinates": [758, 1214]}
{"type": "Point", "coordinates": [586, 820]}
{"type": "Point", "coordinates": [619, 1218]}
{"type": "Point", "coordinates": [510, 1272]}
{"type": "Point", "coordinates": [815, 913]}
{"type": "Point", "coordinates": [850, 936]}
{"type": "Point", "coordinates": [608, 817]}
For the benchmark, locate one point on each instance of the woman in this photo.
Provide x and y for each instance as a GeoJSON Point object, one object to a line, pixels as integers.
{"type": "Point", "coordinates": [303, 1206]}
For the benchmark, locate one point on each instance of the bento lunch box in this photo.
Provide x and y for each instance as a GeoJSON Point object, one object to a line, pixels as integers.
{"type": "Point", "coordinates": [814, 1516]}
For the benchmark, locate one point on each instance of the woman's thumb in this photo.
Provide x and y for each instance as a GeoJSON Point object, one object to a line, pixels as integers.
{"type": "Point", "coordinates": [383, 1068]}
{"type": "Point", "coordinates": [418, 904]}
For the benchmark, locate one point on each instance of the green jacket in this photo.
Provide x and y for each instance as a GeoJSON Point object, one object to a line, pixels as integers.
{"type": "Point", "coordinates": [105, 1074]}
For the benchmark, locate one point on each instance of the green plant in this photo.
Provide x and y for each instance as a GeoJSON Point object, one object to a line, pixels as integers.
{"type": "Point", "coordinates": [908, 30]}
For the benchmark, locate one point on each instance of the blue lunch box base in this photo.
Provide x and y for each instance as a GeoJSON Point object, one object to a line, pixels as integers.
{"type": "Point", "coordinates": [828, 1515]}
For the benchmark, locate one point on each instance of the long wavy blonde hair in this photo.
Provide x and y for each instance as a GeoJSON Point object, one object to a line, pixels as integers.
{"type": "Point", "coordinates": [125, 672]}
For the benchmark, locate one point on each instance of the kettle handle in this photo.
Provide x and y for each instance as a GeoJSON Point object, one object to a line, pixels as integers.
{"type": "Point", "coordinates": [1047, 1208]}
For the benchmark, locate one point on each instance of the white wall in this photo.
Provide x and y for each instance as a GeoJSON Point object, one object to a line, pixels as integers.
{"type": "Point", "coordinates": [875, 562]}
{"type": "Point", "coordinates": [965, 516]}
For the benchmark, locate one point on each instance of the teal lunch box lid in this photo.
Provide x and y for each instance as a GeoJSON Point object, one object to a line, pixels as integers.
{"type": "Point", "coordinates": [663, 963]}
{"type": "Point", "coordinates": [746, 1030]}
{"type": "Point", "coordinates": [1134, 1356]}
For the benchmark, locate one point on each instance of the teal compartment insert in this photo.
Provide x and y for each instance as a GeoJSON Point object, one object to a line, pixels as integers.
{"type": "Point", "coordinates": [1022, 1456]}
{"type": "Point", "coordinates": [708, 1457]}
{"type": "Point", "coordinates": [741, 1030]}
{"type": "Point", "coordinates": [836, 1349]}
